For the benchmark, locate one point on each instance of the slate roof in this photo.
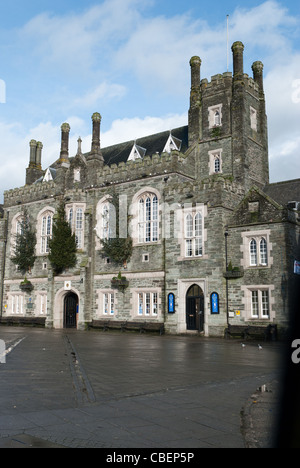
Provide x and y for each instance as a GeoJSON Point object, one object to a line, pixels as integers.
{"type": "Point", "coordinates": [284, 192]}
{"type": "Point", "coordinates": [152, 143]}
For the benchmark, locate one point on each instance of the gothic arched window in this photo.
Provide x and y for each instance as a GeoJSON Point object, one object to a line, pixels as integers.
{"type": "Point", "coordinates": [148, 218]}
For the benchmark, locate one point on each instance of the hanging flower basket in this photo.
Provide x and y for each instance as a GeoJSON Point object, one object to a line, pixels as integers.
{"type": "Point", "coordinates": [119, 282]}
{"type": "Point", "coordinates": [26, 286]}
{"type": "Point", "coordinates": [235, 273]}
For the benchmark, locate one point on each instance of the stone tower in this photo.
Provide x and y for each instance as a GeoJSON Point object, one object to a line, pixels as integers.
{"type": "Point", "coordinates": [227, 119]}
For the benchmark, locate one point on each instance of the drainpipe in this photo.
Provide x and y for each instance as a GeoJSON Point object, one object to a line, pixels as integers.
{"type": "Point", "coordinates": [226, 259]}
{"type": "Point", "coordinates": [4, 259]}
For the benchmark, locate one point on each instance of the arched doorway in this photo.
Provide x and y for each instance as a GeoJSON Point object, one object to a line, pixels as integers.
{"type": "Point", "coordinates": [70, 310]}
{"type": "Point", "coordinates": [195, 308]}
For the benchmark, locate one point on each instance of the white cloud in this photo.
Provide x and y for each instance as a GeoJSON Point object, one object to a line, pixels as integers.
{"type": "Point", "coordinates": [103, 46]}
{"type": "Point", "coordinates": [131, 129]}
{"type": "Point", "coordinates": [103, 92]}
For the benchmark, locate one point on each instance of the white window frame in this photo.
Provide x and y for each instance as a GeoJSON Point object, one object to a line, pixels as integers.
{"type": "Point", "coordinates": [46, 232]}
{"type": "Point", "coordinates": [147, 303]}
{"type": "Point", "coordinates": [193, 230]}
{"type": "Point", "coordinates": [258, 298]}
{"type": "Point", "coordinates": [181, 216]}
{"type": "Point", "coordinates": [215, 155]}
{"type": "Point", "coordinates": [107, 303]}
{"type": "Point", "coordinates": [148, 218]}
{"type": "Point", "coordinates": [17, 303]}
{"type": "Point", "coordinates": [75, 217]}
{"type": "Point", "coordinates": [260, 256]}
{"type": "Point", "coordinates": [215, 116]}
{"type": "Point", "coordinates": [259, 302]}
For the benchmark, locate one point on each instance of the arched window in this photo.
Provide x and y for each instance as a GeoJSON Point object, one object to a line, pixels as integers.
{"type": "Point", "coordinates": [193, 235]}
{"type": "Point", "coordinates": [253, 252]}
{"type": "Point", "coordinates": [148, 218]}
{"type": "Point", "coordinates": [74, 214]}
{"type": "Point", "coordinates": [263, 251]}
{"type": "Point", "coordinates": [108, 221]}
{"type": "Point", "coordinates": [217, 118]}
{"type": "Point", "coordinates": [46, 232]}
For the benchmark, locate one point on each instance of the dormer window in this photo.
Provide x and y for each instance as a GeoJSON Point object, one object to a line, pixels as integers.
{"type": "Point", "coordinates": [172, 144]}
{"type": "Point", "coordinates": [137, 152]}
{"type": "Point", "coordinates": [215, 116]}
{"type": "Point", "coordinates": [48, 176]}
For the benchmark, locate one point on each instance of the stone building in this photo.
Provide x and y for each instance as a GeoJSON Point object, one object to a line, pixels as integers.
{"type": "Point", "coordinates": [214, 243]}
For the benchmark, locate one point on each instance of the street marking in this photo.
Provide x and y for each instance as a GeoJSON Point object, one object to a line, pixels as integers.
{"type": "Point", "coordinates": [5, 352]}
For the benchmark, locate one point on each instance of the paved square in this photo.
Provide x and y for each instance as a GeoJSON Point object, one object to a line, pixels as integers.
{"type": "Point", "coordinates": [126, 390]}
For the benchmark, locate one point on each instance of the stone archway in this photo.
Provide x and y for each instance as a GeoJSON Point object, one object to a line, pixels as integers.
{"type": "Point", "coordinates": [59, 306]}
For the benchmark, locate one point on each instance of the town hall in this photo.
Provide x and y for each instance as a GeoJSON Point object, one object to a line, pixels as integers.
{"type": "Point", "coordinates": [214, 244]}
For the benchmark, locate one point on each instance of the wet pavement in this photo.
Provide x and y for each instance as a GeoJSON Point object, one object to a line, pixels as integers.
{"type": "Point", "coordinates": [108, 390]}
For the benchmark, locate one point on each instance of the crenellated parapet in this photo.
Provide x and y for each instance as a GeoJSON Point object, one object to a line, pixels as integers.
{"type": "Point", "coordinates": [30, 193]}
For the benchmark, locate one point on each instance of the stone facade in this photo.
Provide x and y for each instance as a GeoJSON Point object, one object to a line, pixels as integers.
{"type": "Point", "coordinates": [208, 229]}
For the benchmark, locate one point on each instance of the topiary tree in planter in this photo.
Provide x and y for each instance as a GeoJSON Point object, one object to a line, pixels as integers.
{"type": "Point", "coordinates": [62, 245]}
{"type": "Point", "coordinates": [24, 251]}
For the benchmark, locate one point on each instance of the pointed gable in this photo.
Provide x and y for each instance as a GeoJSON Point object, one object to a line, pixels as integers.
{"type": "Point", "coordinates": [137, 152]}
{"type": "Point", "coordinates": [172, 144]}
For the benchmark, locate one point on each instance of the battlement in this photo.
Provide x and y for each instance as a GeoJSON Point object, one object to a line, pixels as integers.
{"type": "Point", "coordinates": [149, 166]}
{"type": "Point", "coordinates": [222, 81]}
{"type": "Point", "coordinates": [29, 193]}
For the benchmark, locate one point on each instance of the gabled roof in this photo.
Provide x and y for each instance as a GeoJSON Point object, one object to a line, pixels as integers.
{"type": "Point", "coordinates": [152, 144]}
{"type": "Point", "coordinates": [284, 192]}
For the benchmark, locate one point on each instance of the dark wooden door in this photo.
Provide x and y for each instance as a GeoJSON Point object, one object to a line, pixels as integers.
{"type": "Point", "coordinates": [70, 308]}
{"type": "Point", "coordinates": [195, 309]}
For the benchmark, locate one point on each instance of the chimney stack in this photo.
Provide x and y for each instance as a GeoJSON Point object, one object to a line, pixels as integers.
{"type": "Point", "coordinates": [64, 152]}
{"type": "Point", "coordinates": [32, 159]}
{"type": "Point", "coordinates": [195, 123]}
{"type": "Point", "coordinates": [257, 68]}
{"type": "Point", "coordinates": [38, 160]}
{"type": "Point", "coordinates": [238, 60]}
{"type": "Point", "coordinates": [95, 153]}
{"type": "Point", "coordinates": [34, 170]}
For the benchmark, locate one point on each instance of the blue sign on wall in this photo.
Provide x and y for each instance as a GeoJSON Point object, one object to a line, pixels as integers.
{"type": "Point", "coordinates": [171, 303]}
{"type": "Point", "coordinates": [214, 302]}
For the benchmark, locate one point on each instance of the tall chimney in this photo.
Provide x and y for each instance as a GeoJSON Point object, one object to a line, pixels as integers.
{"type": "Point", "coordinates": [34, 170]}
{"type": "Point", "coordinates": [96, 153]}
{"type": "Point", "coordinates": [32, 160]}
{"type": "Point", "coordinates": [238, 59]}
{"type": "Point", "coordinates": [38, 160]}
{"type": "Point", "coordinates": [195, 124]}
{"type": "Point", "coordinates": [257, 68]}
{"type": "Point", "coordinates": [64, 152]}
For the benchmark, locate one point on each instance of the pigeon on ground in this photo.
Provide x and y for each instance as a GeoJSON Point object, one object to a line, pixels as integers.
{"type": "Point", "coordinates": [259, 346]}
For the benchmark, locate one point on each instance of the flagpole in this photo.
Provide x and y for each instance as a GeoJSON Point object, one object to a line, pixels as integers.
{"type": "Point", "coordinates": [227, 44]}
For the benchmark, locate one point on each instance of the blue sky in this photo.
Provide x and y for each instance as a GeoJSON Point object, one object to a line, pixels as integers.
{"type": "Point", "coordinates": [129, 60]}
